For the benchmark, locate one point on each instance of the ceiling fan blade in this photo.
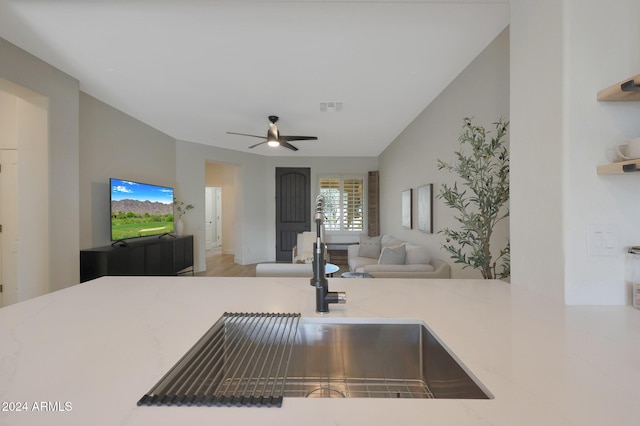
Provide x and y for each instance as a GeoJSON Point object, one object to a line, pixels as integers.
{"type": "Point", "coordinates": [287, 145]}
{"type": "Point", "coordinates": [253, 146]}
{"type": "Point", "coordinates": [298, 138]}
{"type": "Point", "coordinates": [244, 134]}
{"type": "Point", "coordinates": [274, 137]}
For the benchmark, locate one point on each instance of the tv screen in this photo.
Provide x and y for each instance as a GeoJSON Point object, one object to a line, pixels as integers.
{"type": "Point", "coordinates": [140, 210]}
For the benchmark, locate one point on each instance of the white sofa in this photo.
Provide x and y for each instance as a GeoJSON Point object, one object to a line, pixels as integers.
{"type": "Point", "coordinates": [284, 270]}
{"type": "Point", "coordinates": [292, 269]}
{"type": "Point", "coordinates": [416, 263]}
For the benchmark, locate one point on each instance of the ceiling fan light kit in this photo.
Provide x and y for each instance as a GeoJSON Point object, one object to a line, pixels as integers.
{"type": "Point", "coordinates": [274, 138]}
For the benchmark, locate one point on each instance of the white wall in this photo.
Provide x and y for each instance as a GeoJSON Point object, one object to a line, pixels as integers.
{"type": "Point", "coordinates": [480, 91]}
{"type": "Point", "coordinates": [8, 118]}
{"type": "Point", "coordinates": [537, 153]}
{"type": "Point", "coordinates": [602, 47]}
{"type": "Point", "coordinates": [562, 53]}
{"type": "Point", "coordinates": [24, 124]}
{"type": "Point", "coordinates": [62, 234]}
{"type": "Point", "coordinates": [115, 145]}
{"type": "Point", "coordinates": [33, 197]}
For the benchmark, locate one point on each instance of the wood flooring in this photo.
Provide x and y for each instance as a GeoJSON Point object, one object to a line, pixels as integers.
{"type": "Point", "coordinates": [222, 265]}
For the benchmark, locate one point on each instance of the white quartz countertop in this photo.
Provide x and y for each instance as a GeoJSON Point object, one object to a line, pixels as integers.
{"type": "Point", "coordinates": [85, 355]}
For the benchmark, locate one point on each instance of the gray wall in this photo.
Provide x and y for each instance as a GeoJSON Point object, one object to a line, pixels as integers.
{"type": "Point", "coordinates": [115, 145]}
{"type": "Point", "coordinates": [254, 220]}
{"type": "Point", "coordinates": [480, 91]}
{"type": "Point", "coordinates": [250, 226]}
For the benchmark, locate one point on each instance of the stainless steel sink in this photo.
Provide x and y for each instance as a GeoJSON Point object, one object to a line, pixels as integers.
{"type": "Point", "coordinates": [260, 359]}
{"type": "Point", "coordinates": [375, 360]}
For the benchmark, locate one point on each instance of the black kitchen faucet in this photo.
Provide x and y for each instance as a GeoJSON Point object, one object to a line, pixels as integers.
{"type": "Point", "coordinates": [323, 296]}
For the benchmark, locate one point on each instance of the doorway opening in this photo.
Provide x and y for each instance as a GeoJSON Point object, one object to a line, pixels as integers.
{"type": "Point", "coordinates": [221, 188]}
{"type": "Point", "coordinates": [24, 194]}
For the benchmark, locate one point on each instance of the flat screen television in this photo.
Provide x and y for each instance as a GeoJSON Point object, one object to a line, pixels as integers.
{"type": "Point", "coordinates": [140, 209]}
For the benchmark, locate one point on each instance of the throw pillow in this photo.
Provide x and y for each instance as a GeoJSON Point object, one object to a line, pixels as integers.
{"type": "Point", "coordinates": [417, 255]}
{"type": "Point", "coordinates": [389, 241]}
{"type": "Point", "coordinates": [392, 255]}
{"type": "Point", "coordinates": [369, 246]}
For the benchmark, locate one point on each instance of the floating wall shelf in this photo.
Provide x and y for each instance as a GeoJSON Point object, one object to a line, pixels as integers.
{"type": "Point", "coordinates": [620, 167]}
{"type": "Point", "coordinates": [627, 90]}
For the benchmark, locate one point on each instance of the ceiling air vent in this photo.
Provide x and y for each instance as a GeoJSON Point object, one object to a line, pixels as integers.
{"type": "Point", "coordinates": [331, 106]}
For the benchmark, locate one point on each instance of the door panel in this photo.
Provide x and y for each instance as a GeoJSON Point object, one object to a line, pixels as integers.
{"type": "Point", "coordinates": [213, 217]}
{"type": "Point", "coordinates": [210, 218]}
{"type": "Point", "coordinates": [293, 201]}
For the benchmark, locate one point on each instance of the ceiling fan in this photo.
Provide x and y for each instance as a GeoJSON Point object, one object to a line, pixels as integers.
{"type": "Point", "coordinates": [274, 138]}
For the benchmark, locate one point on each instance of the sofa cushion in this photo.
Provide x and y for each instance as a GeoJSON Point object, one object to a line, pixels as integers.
{"type": "Point", "coordinates": [416, 255]}
{"type": "Point", "coordinates": [389, 241]}
{"type": "Point", "coordinates": [359, 262]}
{"type": "Point", "coordinates": [369, 247]}
{"type": "Point", "coordinates": [399, 269]}
{"type": "Point", "coordinates": [284, 270]}
{"type": "Point", "coordinates": [392, 255]}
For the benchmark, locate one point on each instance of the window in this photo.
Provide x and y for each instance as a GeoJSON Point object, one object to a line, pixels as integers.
{"type": "Point", "coordinates": [344, 203]}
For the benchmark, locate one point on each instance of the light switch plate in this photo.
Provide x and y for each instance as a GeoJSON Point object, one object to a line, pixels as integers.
{"type": "Point", "coordinates": [602, 240]}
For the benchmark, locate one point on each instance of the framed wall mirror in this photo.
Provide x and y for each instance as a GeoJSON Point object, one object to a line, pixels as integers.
{"type": "Point", "coordinates": [407, 207]}
{"type": "Point", "coordinates": [425, 208]}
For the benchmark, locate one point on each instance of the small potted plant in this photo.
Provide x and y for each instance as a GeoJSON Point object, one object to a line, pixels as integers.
{"type": "Point", "coordinates": [181, 208]}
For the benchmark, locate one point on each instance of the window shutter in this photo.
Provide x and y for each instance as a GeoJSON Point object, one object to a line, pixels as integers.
{"type": "Point", "coordinates": [374, 204]}
{"type": "Point", "coordinates": [352, 204]}
{"type": "Point", "coordinates": [330, 189]}
{"type": "Point", "coordinates": [344, 203]}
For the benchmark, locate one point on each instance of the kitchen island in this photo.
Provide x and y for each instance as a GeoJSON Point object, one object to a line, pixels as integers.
{"type": "Point", "coordinates": [86, 354]}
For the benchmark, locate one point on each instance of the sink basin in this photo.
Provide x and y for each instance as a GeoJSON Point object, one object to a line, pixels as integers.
{"type": "Point", "coordinates": [375, 360]}
{"type": "Point", "coordinates": [260, 359]}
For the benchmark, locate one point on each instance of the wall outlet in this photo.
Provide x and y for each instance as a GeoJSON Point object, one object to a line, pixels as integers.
{"type": "Point", "coordinates": [602, 240]}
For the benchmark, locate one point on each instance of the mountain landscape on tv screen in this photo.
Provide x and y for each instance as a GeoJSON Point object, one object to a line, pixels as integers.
{"type": "Point", "coordinates": [135, 218]}
{"type": "Point", "coordinates": [141, 207]}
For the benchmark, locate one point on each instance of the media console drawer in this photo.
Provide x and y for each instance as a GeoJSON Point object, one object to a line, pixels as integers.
{"type": "Point", "coordinates": [153, 256]}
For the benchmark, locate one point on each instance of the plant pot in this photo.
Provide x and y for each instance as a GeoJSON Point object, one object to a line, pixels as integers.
{"type": "Point", "coordinates": [179, 227]}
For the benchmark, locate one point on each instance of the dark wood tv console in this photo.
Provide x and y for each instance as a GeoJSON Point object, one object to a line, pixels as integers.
{"type": "Point", "coordinates": [151, 256]}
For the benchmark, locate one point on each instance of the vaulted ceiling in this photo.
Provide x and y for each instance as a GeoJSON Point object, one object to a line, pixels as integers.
{"type": "Point", "coordinates": [196, 69]}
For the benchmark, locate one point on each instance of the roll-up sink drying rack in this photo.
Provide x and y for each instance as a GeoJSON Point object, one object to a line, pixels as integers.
{"type": "Point", "coordinates": [259, 359]}
{"type": "Point", "coordinates": [241, 361]}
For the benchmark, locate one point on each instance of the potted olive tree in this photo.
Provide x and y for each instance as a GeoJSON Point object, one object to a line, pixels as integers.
{"type": "Point", "coordinates": [480, 200]}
